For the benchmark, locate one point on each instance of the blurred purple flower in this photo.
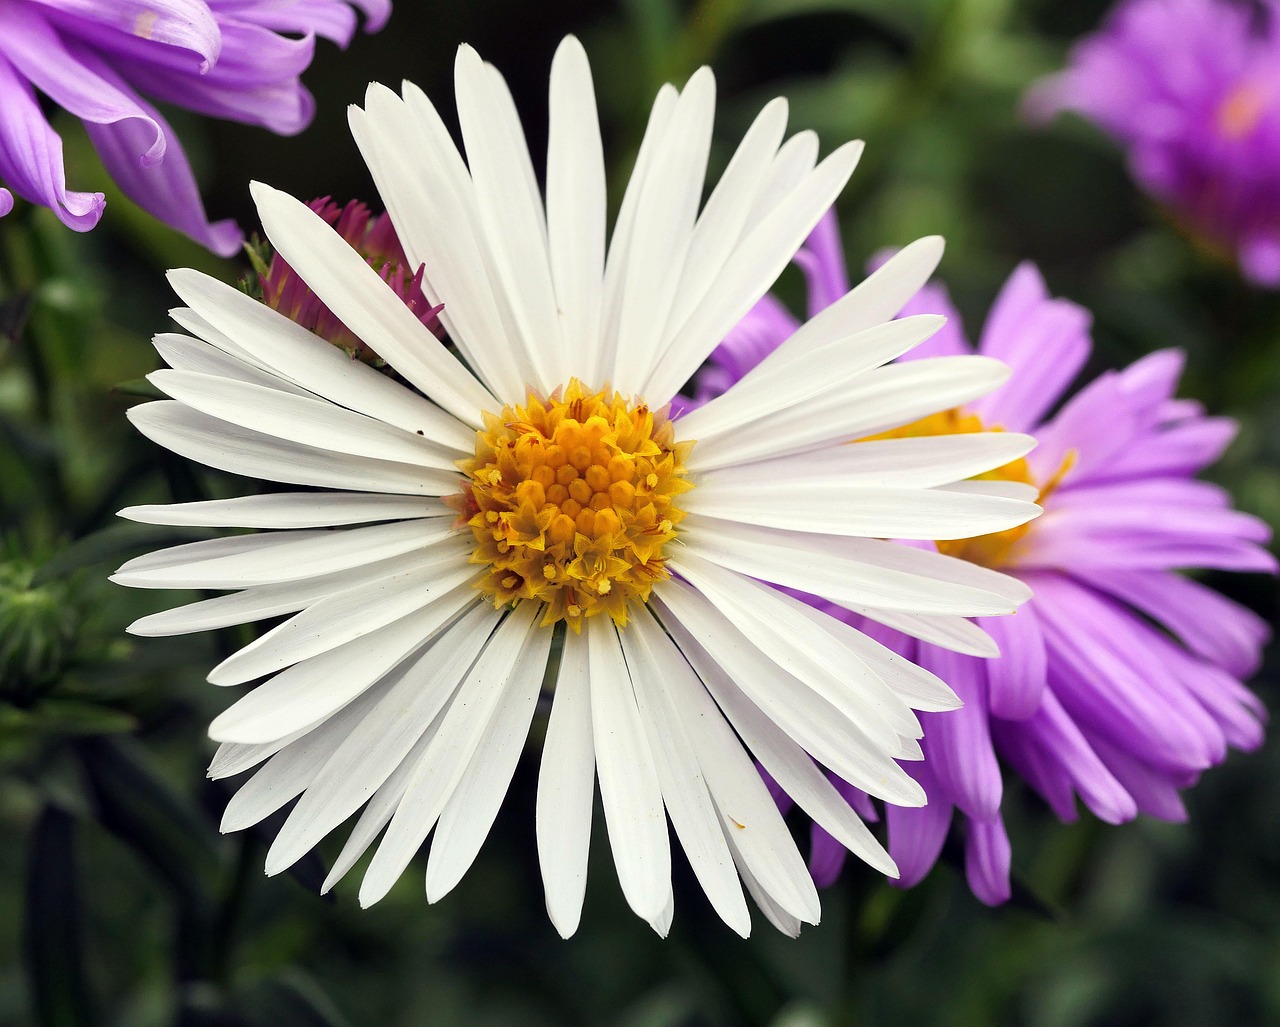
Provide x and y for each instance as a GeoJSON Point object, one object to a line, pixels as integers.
{"type": "Point", "coordinates": [1120, 681]}
{"type": "Point", "coordinates": [98, 58]}
{"type": "Point", "coordinates": [1192, 89]}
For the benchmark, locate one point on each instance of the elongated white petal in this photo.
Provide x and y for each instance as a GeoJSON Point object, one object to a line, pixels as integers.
{"type": "Point", "coordinates": [724, 219]}
{"type": "Point", "coordinates": [195, 355]}
{"type": "Point", "coordinates": [885, 398]}
{"type": "Point", "coordinates": [754, 266]}
{"type": "Point", "coordinates": [469, 814]}
{"type": "Point", "coordinates": [800, 374]}
{"type": "Point", "coordinates": [950, 632]}
{"type": "Point", "coordinates": [273, 341]}
{"type": "Point", "coordinates": [863, 571]}
{"type": "Point", "coordinates": [291, 769]}
{"type": "Point", "coordinates": [310, 691]}
{"type": "Point", "coordinates": [566, 785]}
{"type": "Point", "coordinates": [446, 758]}
{"type": "Point", "coordinates": [382, 741]}
{"type": "Point", "coordinates": [362, 301]}
{"type": "Point", "coordinates": [665, 212]}
{"type": "Point", "coordinates": [922, 462]}
{"type": "Point", "coordinates": [575, 209]}
{"type": "Point", "coordinates": [352, 614]}
{"type": "Point", "coordinates": [811, 720]}
{"type": "Point", "coordinates": [655, 665]}
{"type": "Point", "coordinates": [311, 422]}
{"type": "Point", "coordinates": [629, 788]}
{"type": "Point", "coordinates": [269, 557]}
{"type": "Point", "coordinates": [841, 509]}
{"type": "Point", "coordinates": [431, 199]}
{"type": "Point", "coordinates": [291, 510]}
{"type": "Point", "coordinates": [230, 447]}
{"type": "Point", "coordinates": [261, 601]}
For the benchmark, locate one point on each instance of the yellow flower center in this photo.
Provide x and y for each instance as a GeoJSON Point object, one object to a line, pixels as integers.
{"type": "Point", "coordinates": [987, 550]}
{"type": "Point", "coordinates": [1240, 112]}
{"type": "Point", "coordinates": [571, 500]}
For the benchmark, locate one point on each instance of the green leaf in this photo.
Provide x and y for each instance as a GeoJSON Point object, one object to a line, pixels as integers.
{"type": "Point", "coordinates": [138, 387]}
{"type": "Point", "coordinates": [111, 543]}
{"type": "Point", "coordinates": [293, 998]}
{"type": "Point", "coordinates": [53, 943]}
{"type": "Point", "coordinates": [134, 803]}
{"type": "Point", "coordinates": [65, 717]}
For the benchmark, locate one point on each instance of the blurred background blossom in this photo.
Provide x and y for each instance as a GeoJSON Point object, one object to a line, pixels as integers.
{"type": "Point", "coordinates": [1191, 89]}
{"type": "Point", "coordinates": [122, 903]}
{"type": "Point", "coordinates": [98, 59]}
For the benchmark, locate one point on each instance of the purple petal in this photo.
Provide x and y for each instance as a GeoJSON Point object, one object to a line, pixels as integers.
{"type": "Point", "coordinates": [826, 857]}
{"type": "Point", "coordinates": [6, 202]}
{"type": "Point", "coordinates": [916, 835]}
{"type": "Point", "coordinates": [1178, 450]}
{"type": "Point", "coordinates": [1155, 791]}
{"type": "Point", "coordinates": [332, 19]}
{"type": "Point", "coordinates": [69, 79]}
{"type": "Point", "coordinates": [166, 190]}
{"type": "Point", "coordinates": [1044, 341]}
{"type": "Point", "coordinates": [1103, 670]}
{"type": "Point", "coordinates": [987, 855]}
{"type": "Point", "coordinates": [822, 261]}
{"type": "Point", "coordinates": [186, 24]}
{"type": "Point", "coordinates": [31, 156]}
{"type": "Point", "coordinates": [1209, 624]}
{"type": "Point", "coordinates": [1016, 678]}
{"type": "Point", "coordinates": [957, 744]}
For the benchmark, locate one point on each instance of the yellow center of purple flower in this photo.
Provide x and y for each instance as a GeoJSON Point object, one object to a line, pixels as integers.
{"type": "Point", "coordinates": [1240, 112]}
{"type": "Point", "coordinates": [986, 550]}
{"type": "Point", "coordinates": [571, 500]}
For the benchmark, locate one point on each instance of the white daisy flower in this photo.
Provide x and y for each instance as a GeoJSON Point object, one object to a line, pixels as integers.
{"type": "Point", "coordinates": [532, 523]}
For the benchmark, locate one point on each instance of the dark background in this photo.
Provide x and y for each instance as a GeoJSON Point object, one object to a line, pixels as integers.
{"type": "Point", "coordinates": [121, 905]}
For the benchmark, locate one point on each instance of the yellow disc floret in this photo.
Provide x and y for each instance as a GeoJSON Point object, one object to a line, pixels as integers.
{"type": "Point", "coordinates": [988, 550]}
{"type": "Point", "coordinates": [571, 499]}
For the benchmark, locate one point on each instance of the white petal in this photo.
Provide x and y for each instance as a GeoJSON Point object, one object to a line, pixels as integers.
{"type": "Point", "coordinates": [802, 649]}
{"type": "Point", "coordinates": [383, 740]}
{"type": "Point", "coordinates": [469, 814]}
{"type": "Point", "coordinates": [666, 209]}
{"type": "Point", "coordinates": [187, 354]}
{"type": "Point", "coordinates": [794, 162]}
{"type": "Point", "coordinates": [566, 786]}
{"type": "Point", "coordinates": [629, 787]}
{"type": "Point", "coordinates": [575, 209]}
{"type": "Point", "coordinates": [753, 267]}
{"type": "Point", "coordinates": [442, 586]}
{"type": "Point", "coordinates": [875, 402]}
{"type": "Point", "coordinates": [310, 691]}
{"type": "Point", "coordinates": [804, 374]}
{"type": "Point", "coordinates": [268, 557]}
{"type": "Point", "coordinates": [949, 632]}
{"type": "Point", "coordinates": [374, 817]}
{"type": "Point", "coordinates": [430, 197]}
{"type": "Point", "coordinates": [288, 349]}
{"type": "Point", "coordinates": [291, 769]}
{"type": "Point", "coordinates": [291, 510]}
{"type": "Point", "coordinates": [230, 447]}
{"type": "Point", "coordinates": [869, 572]}
{"type": "Point", "coordinates": [260, 601]}
{"type": "Point", "coordinates": [655, 665]}
{"type": "Point", "coordinates": [812, 721]}
{"type": "Point", "coordinates": [724, 219]}
{"type": "Point", "coordinates": [446, 759]}
{"type": "Point", "coordinates": [511, 215]}
{"type": "Point", "coordinates": [923, 462]}
{"type": "Point", "coordinates": [840, 509]}
{"type": "Point", "coordinates": [361, 300]}
{"type": "Point", "coordinates": [615, 272]}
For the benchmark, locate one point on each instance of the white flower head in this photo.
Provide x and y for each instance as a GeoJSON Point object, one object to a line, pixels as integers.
{"type": "Point", "coordinates": [536, 496]}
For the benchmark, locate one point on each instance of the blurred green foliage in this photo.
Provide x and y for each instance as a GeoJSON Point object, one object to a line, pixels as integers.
{"type": "Point", "coordinates": [121, 903]}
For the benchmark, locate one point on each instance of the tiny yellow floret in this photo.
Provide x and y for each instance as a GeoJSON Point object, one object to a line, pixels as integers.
{"type": "Point", "coordinates": [571, 499]}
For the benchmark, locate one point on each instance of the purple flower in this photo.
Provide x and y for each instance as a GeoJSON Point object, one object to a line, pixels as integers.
{"type": "Point", "coordinates": [1192, 89]}
{"type": "Point", "coordinates": [97, 59]}
{"type": "Point", "coordinates": [1120, 681]}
